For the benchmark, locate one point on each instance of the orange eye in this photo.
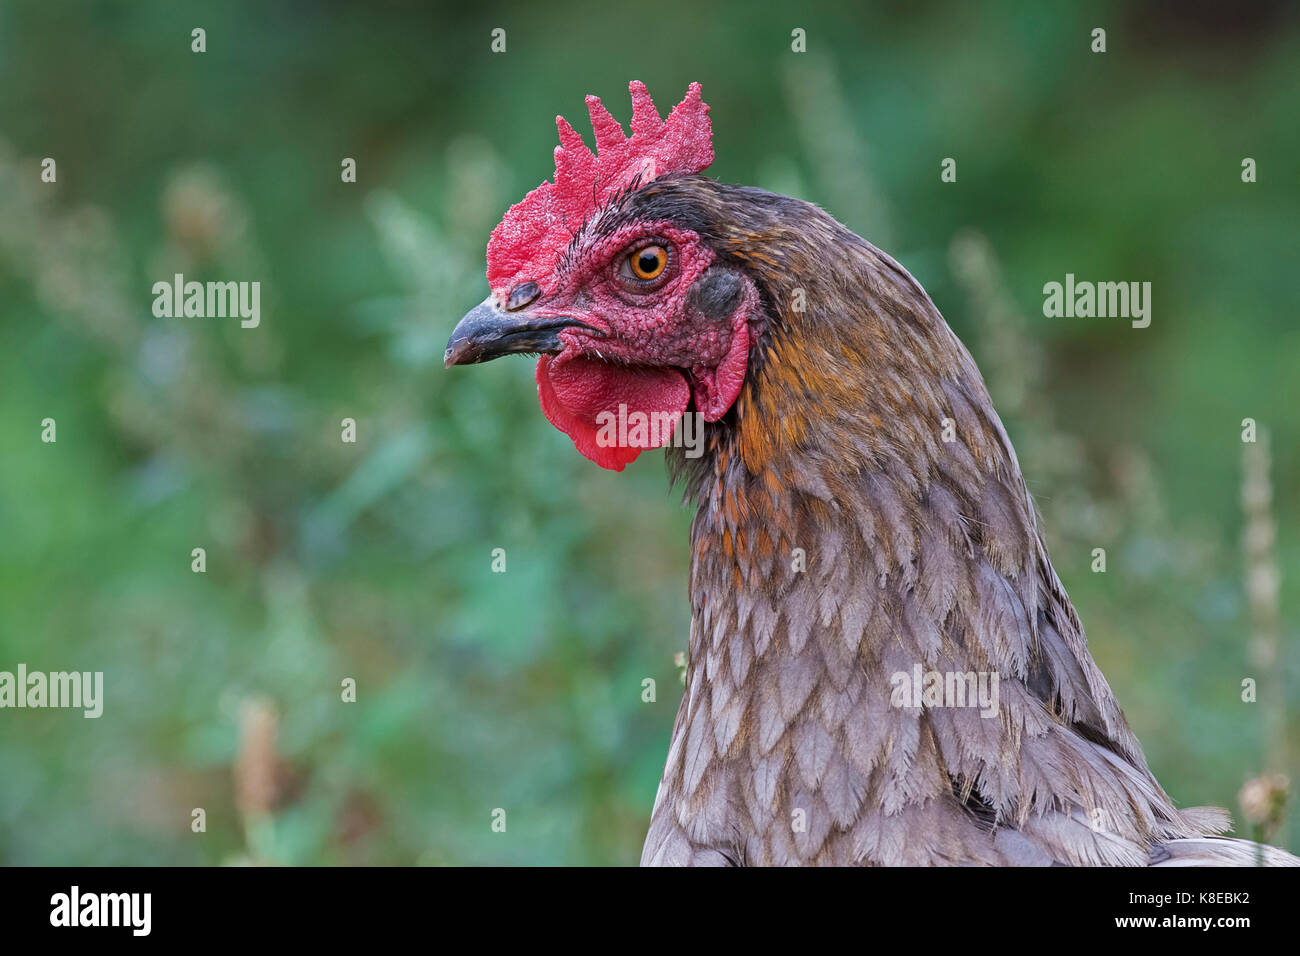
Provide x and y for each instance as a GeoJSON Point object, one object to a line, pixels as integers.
{"type": "Point", "coordinates": [648, 262]}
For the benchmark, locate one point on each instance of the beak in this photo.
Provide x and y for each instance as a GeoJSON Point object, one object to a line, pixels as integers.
{"type": "Point", "coordinates": [488, 332]}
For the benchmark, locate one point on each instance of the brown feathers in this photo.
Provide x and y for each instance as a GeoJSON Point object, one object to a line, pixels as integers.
{"type": "Point", "coordinates": [861, 521]}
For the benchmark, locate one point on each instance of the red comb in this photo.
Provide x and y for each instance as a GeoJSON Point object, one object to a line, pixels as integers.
{"type": "Point", "coordinates": [527, 242]}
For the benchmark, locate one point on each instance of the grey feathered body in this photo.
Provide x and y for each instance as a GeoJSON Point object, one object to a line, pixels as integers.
{"type": "Point", "coordinates": [860, 513]}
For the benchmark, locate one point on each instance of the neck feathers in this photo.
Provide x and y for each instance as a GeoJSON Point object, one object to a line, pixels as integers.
{"type": "Point", "coordinates": [860, 516]}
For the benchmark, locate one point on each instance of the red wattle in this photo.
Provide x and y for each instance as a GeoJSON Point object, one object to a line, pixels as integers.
{"type": "Point", "coordinates": [575, 390]}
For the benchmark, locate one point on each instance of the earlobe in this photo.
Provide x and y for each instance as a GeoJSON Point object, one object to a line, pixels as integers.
{"type": "Point", "coordinates": [717, 388]}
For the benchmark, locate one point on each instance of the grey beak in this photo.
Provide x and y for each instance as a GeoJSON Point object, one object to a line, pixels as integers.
{"type": "Point", "coordinates": [487, 332]}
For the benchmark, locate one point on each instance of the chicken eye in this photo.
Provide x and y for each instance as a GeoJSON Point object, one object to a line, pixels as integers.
{"type": "Point", "coordinates": [648, 262]}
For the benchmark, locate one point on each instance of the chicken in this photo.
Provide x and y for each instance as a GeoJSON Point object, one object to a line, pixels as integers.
{"type": "Point", "coordinates": [884, 667]}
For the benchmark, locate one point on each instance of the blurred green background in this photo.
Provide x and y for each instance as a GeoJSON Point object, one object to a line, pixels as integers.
{"type": "Point", "coordinates": [372, 560]}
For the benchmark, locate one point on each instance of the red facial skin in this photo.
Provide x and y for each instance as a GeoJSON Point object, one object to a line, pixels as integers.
{"type": "Point", "coordinates": [528, 242]}
{"type": "Point", "coordinates": [650, 351]}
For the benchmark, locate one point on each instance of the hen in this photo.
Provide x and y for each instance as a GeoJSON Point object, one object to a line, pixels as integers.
{"type": "Point", "coordinates": [884, 667]}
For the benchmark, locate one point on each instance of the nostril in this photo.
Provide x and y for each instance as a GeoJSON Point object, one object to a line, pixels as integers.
{"type": "Point", "coordinates": [522, 294]}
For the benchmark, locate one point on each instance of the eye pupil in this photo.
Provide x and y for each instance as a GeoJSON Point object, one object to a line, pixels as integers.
{"type": "Point", "coordinates": [649, 263]}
